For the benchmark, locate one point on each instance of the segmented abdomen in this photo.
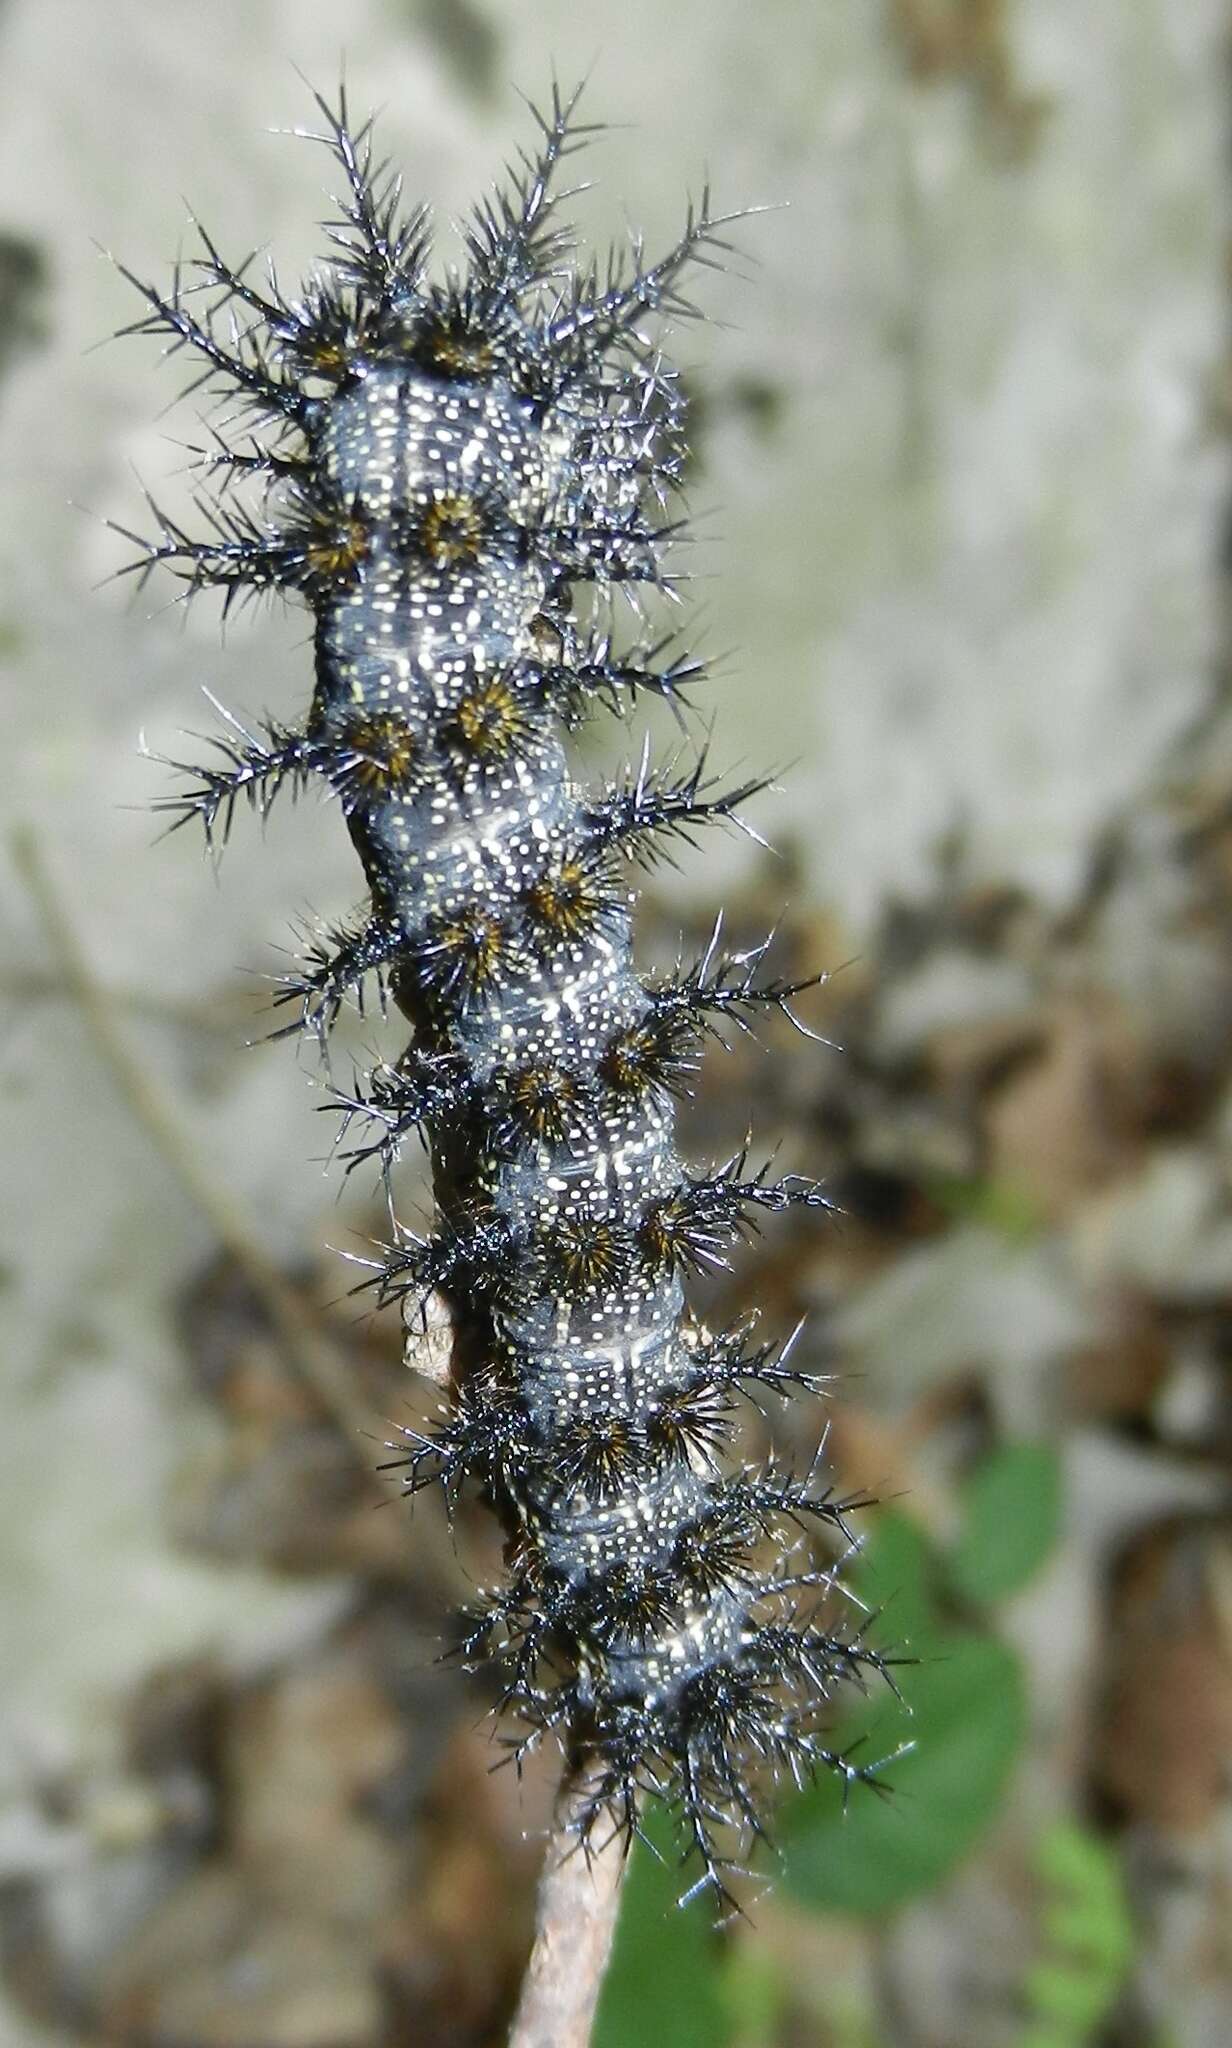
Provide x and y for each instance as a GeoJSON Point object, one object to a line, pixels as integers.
{"type": "Point", "coordinates": [586, 1323]}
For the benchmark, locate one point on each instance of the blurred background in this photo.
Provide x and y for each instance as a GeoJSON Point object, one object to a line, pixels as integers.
{"type": "Point", "coordinates": [961, 470]}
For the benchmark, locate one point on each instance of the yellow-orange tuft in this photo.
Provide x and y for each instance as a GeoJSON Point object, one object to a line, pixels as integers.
{"type": "Point", "coordinates": [334, 553]}
{"type": "Point", "coordinates": [451, 530]}
{"type": "Point", "coordinates": [541, 1100]}
{"type": "Point", "coordinates": [383, 750]}
{"type": "Point", "coordinates": [490, 723]}
{"type": "Point", "coordinates": [568, 900]}
{"type": "Point", "coordinates": [585, 1254]}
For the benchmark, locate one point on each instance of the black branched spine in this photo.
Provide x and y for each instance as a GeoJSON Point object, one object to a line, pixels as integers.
{"type": "Point", "coordinates": [440, 464]}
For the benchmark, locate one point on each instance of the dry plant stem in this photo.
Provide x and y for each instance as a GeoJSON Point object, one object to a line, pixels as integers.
{"type": "Point", "coordinates": [575, 1921]}
{"type": "Point", "coordinates": [311, 1354]}
{"type": "Point", "coordinates": [51, 985]}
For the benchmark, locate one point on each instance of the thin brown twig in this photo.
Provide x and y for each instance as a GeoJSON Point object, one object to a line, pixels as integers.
{"type": "Point", "coordinates": [311, 1354]}
{"type": "Point", "coordinates": [212, 1018]}
{"type": "Point", "coordinates": [317, 1361]}
{"type": "Point", "coordinates": [575, 1921]}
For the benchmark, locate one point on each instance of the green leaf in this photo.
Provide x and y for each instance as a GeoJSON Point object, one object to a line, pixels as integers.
{"type": "Point", "coordinates": [967, 1721]}
{"type": "Point", "coordinates": [1088, 1934]}
{"type": "Point", "coordinates": [663, 1983]}
{"type": "Point", "coordinates": [1089, 1911]}
{"type": "Point", "coordinates": [1067, 1997]}
{"type": "Point", "coordinates": [999, 1205]}
{"type": "Point", "coordinates": [893, 1575]}
{"type": "Point", "coordinates": [754, 1994]}
{"type": "Point", "coordinates": [1011, 1517]}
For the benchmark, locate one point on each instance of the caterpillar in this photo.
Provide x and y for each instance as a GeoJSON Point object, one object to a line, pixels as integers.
{"type": "Point", "coordinates": [460, 478]}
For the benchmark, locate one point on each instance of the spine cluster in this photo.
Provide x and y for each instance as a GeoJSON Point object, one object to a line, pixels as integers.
{"type": "Point", "coordinates": [440, 467]}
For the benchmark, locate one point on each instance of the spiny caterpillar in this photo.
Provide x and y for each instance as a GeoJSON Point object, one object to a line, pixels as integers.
{"type": "Point", "coordinates": [440, 463]}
